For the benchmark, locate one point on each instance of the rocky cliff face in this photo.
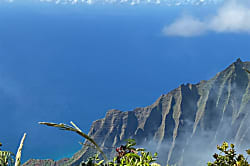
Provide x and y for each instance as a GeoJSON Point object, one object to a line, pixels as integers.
{"type": "Point", "coordinates": [47, 162]}
{"type": "Point", "coordinates": [186, 124]}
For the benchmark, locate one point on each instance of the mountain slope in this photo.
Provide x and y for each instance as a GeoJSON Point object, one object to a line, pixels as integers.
{"type": "Point", "coordinates": [184, 125]}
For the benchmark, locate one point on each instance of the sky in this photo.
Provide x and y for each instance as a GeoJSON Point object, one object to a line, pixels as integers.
{"type": "Point", "coordinates": [64, 62]}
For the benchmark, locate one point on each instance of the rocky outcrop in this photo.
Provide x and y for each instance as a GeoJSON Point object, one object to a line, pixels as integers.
{"type": "Point", "coordinates": [47, 162]}
{"type": "Point", "coordinates": [185, 123]}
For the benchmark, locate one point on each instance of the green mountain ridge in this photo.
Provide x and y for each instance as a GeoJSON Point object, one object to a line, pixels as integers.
{"type": "Point", "coordinates": [191, 118]}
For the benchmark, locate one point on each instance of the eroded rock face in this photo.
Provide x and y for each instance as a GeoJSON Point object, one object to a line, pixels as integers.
{"type": "Point", "coordinates": [184, 125]}
{"type": "Point", "coordinates": [47, 162]}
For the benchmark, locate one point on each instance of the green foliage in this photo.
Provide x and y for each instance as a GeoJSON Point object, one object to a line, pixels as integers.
{"type": "Point", "coordinates": [128, 155]}
{"type": "Point", "coordinates": [134, 157]}
{"type": "Point", "coordinates": [130, 143]}
{"type": "Point", "coordinates": [93, 161]}
{"type": "Point", "coordinates": [228, 157]}
{"type": "Point", "coordinates": [6, 158]}
{"type": "Point", "coordinates": [144, 159]}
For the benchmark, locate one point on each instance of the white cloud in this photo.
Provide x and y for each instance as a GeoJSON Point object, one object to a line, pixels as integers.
{"type": "Point", "coordinates": [233, 17]}
{"type": "Point", "coordinates": [185, 26]}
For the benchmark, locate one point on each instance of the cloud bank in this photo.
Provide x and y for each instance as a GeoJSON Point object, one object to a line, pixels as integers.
{"type": "Point", "coordinates": [131, 2]}
{"type": "Point", "coordinates": [137, 2]}
{"type": "Point", "coordinates": [232, 17]}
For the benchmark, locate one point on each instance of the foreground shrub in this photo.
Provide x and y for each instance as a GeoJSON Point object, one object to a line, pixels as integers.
{"type": "Point", "coordinates": [126, 155]}
{"type": "Point", "coordinates": [129, 155]}
{"type": "Point", "coordinates": [6, 158]}
{"type": "Point", "coordinates": [228, 157]}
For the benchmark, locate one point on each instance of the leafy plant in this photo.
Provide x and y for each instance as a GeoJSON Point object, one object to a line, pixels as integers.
{"type": "Point", "coordinates": [129, 155]}
{"type": "Point", "coordinates": [8, 158]}
{"type": "Point", "coordinates": [228, 157]}
{"type": "Point", "coordinates": [93, 161]}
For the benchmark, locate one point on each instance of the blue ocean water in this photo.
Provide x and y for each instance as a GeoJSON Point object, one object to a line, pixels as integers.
{"type": "Point", "coordinates": [74, 62]}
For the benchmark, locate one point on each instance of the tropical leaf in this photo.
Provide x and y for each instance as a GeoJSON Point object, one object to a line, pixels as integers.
{"type": "Point", "coordinates": [6, 158]}
{"type": "Point", "coordinates": [84, 144]}
{"type": "Point", "coordinates": [140, 149]}
{"type": "Point", "coordinates": [74, 128]}
{"type": "Point", "coordinates": [247, 71]}
{"type": "Point", "coordinates": [132, 155]}
{"type": "Point", "coordinates": [130, 143]}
